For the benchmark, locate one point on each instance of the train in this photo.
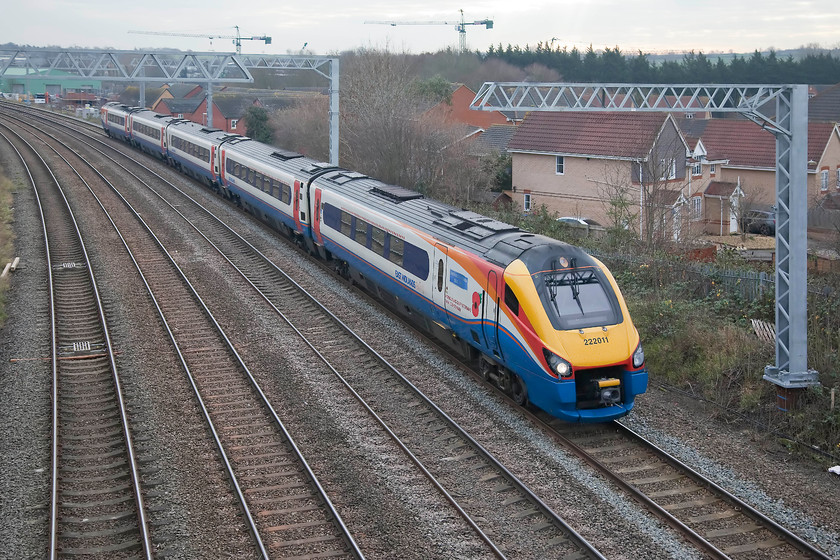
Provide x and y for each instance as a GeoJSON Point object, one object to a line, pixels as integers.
{"type": "Point", "coordinates": [542, 320]}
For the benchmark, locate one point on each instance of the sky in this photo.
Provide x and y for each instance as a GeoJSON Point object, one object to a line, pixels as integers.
{"type": "Point", "coordinates": [325, 27]}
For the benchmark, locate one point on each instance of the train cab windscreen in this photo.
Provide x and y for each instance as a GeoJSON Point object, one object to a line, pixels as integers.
{"type": "Point", "coordinates": [577, 297]}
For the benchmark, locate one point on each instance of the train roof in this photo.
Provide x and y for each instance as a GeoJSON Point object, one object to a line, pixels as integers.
{"type": "Point", "coordinates": [291, 162]}
{"type": "Point", "coordinates": [150, 116]}
{"type": "Point", "coordinates": [185, 128]}
{"type": "Point", "coordinates": [496, 241]}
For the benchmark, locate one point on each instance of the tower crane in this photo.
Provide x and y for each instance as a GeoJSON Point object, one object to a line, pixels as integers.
{"type": "Point", "coordinates": [460, 26]}
{"type": "Point", "coordinates": [237, 39]}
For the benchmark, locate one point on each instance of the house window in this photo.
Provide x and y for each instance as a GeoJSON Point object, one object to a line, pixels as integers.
{"type": "Point", "coordinates": [824, 180]}
{"type": "Point", "coordinates": [838, 177]}
{"type": "Point", "coordinates": [697, 169]}
{"type": "Point", "coordinates": [233, 123]}
{"type": "Point", "coordinates": [696, 207]}
{"type": "Point", "coordinates": [668, 169]}
{"type": "Point", "coordinates": [559, 165]}
{"type": "Point", "coordinates": [689, 115]}
{"type": "Point", "coordinates": [712, 169]}
{"type": "Point", "coordinates": [527, 202]}
{"type": "Point", "coordinates": [180, 115]}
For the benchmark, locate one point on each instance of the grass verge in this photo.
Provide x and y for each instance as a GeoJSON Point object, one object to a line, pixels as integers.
{"type": "Point", "coordinates": [7, 240]}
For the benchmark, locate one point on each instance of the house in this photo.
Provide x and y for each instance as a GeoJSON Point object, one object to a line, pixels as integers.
{"type": "Point", "coordinates": [457, 111]}
{"type": "Point", "coordinates": [181, 108]}
{"type": "Point", "coordinates": [607, 166]}
{"type": "Point", "coordinates": [176, 91]}
{"type": "Point", "coordinates": [726, 153]}
{"type": "Point", "coordinates": [228, 109]}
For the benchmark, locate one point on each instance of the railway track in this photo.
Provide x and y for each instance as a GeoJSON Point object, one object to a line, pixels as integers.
{"type": "Point", "coordinates": [717, 521]}
{"type": "Point", "coordinates": [490, 497]}
{"type": "Point", "coordinates": [96, 507]}
{"type": "Point", "coordinates": [289, 514]}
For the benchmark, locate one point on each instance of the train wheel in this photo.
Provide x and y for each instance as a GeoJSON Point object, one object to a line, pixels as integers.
{"type": "Point", "coordinates": [518, 390]}
{"type": "Point", "coordinates": [486, 369]}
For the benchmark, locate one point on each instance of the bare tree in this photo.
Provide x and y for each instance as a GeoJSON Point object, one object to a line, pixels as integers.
{"type": "Point", "coordinates": [619, 196]}
{"type": "Point", "coordinates": [642, 195]}
{"type": "Point", "coordinates": [304, 127]}
{"type": "Point", "coordinates": [386, 131]}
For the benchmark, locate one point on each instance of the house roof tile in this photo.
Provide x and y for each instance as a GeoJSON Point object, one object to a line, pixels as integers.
{"type": "Point", "coordinates": [825, 106]}
{"type": "Point", "coordinates": [187, 105]}
{"type": "Point", "coordinates": [628, 135]}
{"type": "Point", "coordinates": [745, 144]}
{"type": "Point", "coordinates": [233, 106]}
{"type": "Point", "coordinates": [720, 188]}
{"type": "Point", "coordinates": [494, 140]}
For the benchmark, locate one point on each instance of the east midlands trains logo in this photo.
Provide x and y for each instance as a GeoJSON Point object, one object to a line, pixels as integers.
{"type": "Point", "coordinates": [405, 280]}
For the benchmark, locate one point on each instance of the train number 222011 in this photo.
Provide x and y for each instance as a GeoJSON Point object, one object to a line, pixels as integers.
{"type": "Point", "coordinates": [596, 340]}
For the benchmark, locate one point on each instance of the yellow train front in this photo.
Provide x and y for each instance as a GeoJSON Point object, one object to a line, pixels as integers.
{"type": "Point", "coordinates": [570, 337]}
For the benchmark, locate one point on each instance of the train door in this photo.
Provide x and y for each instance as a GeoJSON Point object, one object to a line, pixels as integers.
{"type": "Point", "coordinates": [214, 165]}
{"type": "Point", "coordinates": [490, 314]}
{"type": "Point", "coordinates": [296, 205]}
{"type": "Point", "coordinates": [316, 217]}
{"type": "Point", "coordinates": [440, 270]}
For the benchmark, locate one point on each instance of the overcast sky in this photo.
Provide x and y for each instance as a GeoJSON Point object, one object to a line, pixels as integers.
{"type": "Point", "coordinates": [330, 26]}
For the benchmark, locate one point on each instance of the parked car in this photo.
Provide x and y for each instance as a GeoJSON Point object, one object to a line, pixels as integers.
{"type": "Point", "coordinates": [759, 221]}
{"type": "Point", "coordinates": [578, 221]}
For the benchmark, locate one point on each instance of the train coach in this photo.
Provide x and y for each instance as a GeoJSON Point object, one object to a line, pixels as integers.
{"type": "Point", "coordinates": [272, 184]}
{"type": "Point", "coordinates": [114, 117]}
{"type": "Point", "coordinates": [544, 321]}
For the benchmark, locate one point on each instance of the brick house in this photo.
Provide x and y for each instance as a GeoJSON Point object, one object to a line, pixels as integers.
{"type": "Point", "coordinates": [457, 111]}
{"type": "Point", "coordinates": [228, 110]}
{"type": "Point", "coordinates": [733, 165]}
{"type": "Point", "coordinates": [591, 164]}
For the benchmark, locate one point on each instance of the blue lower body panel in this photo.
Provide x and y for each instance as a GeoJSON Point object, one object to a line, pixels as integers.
{"type": "Point", "coordinates": [559, 398]}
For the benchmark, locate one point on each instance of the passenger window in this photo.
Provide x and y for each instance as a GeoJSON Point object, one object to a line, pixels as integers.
{"type": "Point", "coordinates": [511, 300]}
{"type": "Point", "coordinates": [377, 241]}
{"type": "Point", "coordinates": [361, 232]}
{"type": "Point", "coordinates": [395, 254]}
{"type": "Point", "coordinates": [346, 224]}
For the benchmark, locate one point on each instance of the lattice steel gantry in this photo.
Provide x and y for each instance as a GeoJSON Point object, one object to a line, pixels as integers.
{"type": "Point", "coordinates": [165, 67]}
{"type": "Point", "coordinates": [789, 124]}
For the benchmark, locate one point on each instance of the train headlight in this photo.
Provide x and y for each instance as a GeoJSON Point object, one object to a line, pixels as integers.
{"type": "Point", "coordinates": [558, 365]}
{"type": "Point", "coordinates": [639, 356]}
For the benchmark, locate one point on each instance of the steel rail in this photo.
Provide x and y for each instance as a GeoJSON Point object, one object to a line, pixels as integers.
{"type": "Point", "coordinates": [132, 458]}
{"type": "Point", "coordinates": [354, 548]}
{"type": "Point", "coordinates": [322, 493]}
